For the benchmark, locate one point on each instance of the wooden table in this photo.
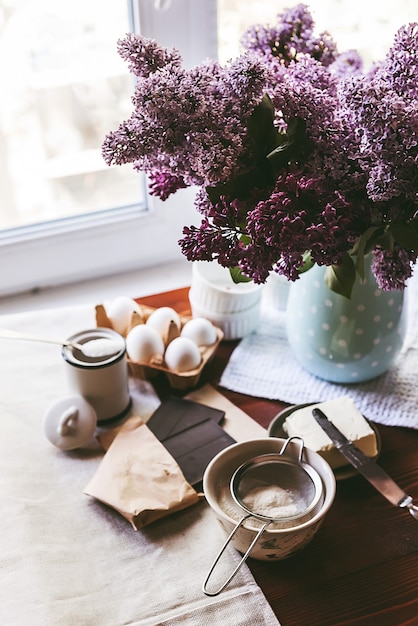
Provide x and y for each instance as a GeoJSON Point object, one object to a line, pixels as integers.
{"type": "Point", "coordinates": [362, 566]}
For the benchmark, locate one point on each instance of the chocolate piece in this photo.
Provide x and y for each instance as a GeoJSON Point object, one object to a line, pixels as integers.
{"type": "Point", "coordinates": [191, 433]}
{"type": "Point", "coordinates": [177, 414]}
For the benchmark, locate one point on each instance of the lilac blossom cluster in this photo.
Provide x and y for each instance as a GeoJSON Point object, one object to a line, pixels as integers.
{"type": "Point", "coordinates": [297, 154]}
{"type": "Point", "coordinates": [188, 127]}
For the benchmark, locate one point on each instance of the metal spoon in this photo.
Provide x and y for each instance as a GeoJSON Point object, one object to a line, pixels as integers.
{"type": "Point", "coordinates": [84, 348]}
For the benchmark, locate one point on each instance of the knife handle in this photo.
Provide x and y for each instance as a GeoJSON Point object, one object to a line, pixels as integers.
{"type": "Point", "coordinates": [413, 511]}
{"type": "Point", "coordinates": [412, 508]}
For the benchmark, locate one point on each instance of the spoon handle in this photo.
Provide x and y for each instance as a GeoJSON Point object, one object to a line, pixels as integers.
{"type": "Point", "coordinates": [5, 333]}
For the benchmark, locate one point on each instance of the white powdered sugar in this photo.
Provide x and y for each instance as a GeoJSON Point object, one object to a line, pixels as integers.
{"type": "Point", "coordinates": [272, 501]}
{"type": "Point", "coordinates": [101, 347]}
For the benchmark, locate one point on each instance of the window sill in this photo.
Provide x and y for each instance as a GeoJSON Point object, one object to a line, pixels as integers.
{"type": "Point", "coordinates": [134, 284]}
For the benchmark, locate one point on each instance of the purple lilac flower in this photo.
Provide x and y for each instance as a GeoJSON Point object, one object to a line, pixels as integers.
{"type": "Point", "coordinates": [385, 111]}
{"type": "Point", "coordinates": [124, 145]}
{"type": "Point", "coordinates": [163, 184]}
{"type": "Point", "coordinates": [268, 194]}
{"type": "Point", "coordinates": [400, 65]}
{"type": "Point", "coordinates": [208, 243]}
{"type": "Point", "coordinates": [392, 267]}
{"type": "Point", "coordinates": [310, 91]}
{"type": "Point", "coordinates": [290, 37]}
{"type": "Point", "coordinates": [301, 214]}
{"type": "Point", "coordinates": [346, 64]}
{"type": "Point", "coordinates": [190, 122]}
{"type": "Point", "coordinates": [145, 56]}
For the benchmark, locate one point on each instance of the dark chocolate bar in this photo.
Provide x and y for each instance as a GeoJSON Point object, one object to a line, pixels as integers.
{"type": "Point", "coordinates": [177, 414]}
{"type": "Point", "coordinates": [190, 431]}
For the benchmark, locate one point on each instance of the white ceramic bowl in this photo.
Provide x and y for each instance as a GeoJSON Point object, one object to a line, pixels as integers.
{"type": "Point", "coordinates": [274, 544]}
{"type": "Point", "coordinates": [233, 325]}
{"type": "Point", "coordinates": [215, 291]}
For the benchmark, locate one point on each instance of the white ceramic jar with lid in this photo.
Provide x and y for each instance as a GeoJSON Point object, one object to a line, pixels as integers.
{"type": "Point", "coordinates": [102, 377]}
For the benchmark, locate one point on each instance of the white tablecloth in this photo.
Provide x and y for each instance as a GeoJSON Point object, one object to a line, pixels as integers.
{"type": "Point", "coordinates": [263, 365]}
{"type": "Point", "coordinates": [67, 560]}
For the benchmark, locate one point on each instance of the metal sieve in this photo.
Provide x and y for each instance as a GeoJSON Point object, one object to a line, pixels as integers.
{"type": "Point", "coordinates": [272, 488]}
{"type": "Point", "coordinates": [294, 487]}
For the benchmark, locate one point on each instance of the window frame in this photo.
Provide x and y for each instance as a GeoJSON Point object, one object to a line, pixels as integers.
{"type": "Point", "coordinates": [125, 238]}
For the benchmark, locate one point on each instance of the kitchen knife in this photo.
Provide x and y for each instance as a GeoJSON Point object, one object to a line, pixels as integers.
{"type": "Point", "coordinates": [366, 466]}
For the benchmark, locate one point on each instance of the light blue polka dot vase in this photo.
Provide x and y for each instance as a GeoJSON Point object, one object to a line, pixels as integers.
{"type": "Point", "coordinates": [344, 340]}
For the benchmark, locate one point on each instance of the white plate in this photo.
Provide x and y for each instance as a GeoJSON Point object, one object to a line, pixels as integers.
{"type": "Point", "coordinates": [276, 430]}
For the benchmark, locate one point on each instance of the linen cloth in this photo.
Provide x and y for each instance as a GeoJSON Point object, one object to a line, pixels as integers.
{"type": "Point", "coordinates": [263, 365]}
{"type": "Point", "coordinates": [66, 559]}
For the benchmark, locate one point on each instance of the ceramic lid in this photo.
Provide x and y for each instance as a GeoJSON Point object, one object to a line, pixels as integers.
{"type": "Point", "coordinates": [70, 423]}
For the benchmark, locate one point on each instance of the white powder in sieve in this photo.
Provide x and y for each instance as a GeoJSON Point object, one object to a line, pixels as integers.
{"type": "Point", "coordinates": [272, 501]}
{"type": "Point", "coordinates": [230, 508]}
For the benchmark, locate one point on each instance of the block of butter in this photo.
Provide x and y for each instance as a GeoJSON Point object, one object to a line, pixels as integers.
{"type": "Point", "coordinates": [346, 417]}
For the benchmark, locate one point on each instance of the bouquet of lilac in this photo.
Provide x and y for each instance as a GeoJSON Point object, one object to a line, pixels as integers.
{"type": "Point", "coordinates": [299, 156]}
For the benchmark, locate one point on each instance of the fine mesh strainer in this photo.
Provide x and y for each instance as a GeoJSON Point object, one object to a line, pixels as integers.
{"type": "Point", "coordinates": [272, 488]}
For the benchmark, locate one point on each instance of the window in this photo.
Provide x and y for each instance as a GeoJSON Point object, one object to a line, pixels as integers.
{"type": "Point", "coordinates": [64, 214]}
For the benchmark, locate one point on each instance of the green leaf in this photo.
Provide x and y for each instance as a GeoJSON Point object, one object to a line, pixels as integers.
{"type": "Point", "coordinates": [241, 186]}
{"type": "Point", "coordinates": [261, 127]}
{"type": "Point", "coordinates": [385, 240]}
{"type": "Point", "coordinates": [362, 248]}
{"type": "Point", "coordinates": [245, 239]}
{"type": "Point", "coordinates": [307, 263]}
{"type": "Point", "coordinates": [406, 235]}
{"type": "Point", "coordinates": [288, 144]}
{"type": "Point", "coordinates": [296, 128]}
{"type": "Point", "coordinates": [273, 151]}
{"type": "Point", "coordinates": [341, 278]}
{"type": "Point", "coordinates": [237, 276]}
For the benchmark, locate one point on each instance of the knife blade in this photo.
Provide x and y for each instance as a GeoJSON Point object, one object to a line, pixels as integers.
{"type": "Point", "coordinates": [366, 466]}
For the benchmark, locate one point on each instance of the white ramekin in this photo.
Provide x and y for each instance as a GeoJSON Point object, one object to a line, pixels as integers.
{"type": "Point", "coordinates": [234, 325]}
{"type": "Point", "coordinates": [215, 291]}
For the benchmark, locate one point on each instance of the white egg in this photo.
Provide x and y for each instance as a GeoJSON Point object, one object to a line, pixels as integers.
{"type": "Point", "coordinates": [182, 355]}
{"type": "Point", "coordinates": [200, 330]}
{"type": "Point", "coordinates": [161, 318]}
{"type": "Point", "coordinates": [120, 312]}
{"type": "Point", "coordinates": [143, 343]}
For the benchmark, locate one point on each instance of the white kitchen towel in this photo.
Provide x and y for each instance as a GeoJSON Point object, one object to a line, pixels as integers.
{"type": "Point", "coordinates": [263, 365]}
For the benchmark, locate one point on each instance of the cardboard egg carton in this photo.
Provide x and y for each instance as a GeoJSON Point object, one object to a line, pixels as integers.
{"type": "Point", "coordinates": [147, 371]}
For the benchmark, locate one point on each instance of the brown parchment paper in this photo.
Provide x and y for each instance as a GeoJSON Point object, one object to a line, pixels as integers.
{"type": "Point", "coordinates": [138, 477]}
